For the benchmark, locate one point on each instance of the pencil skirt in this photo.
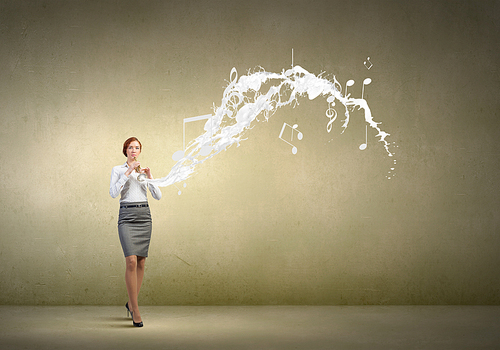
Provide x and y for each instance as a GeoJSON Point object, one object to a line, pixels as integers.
{"type": "Point", "coordinates": [134, 228]}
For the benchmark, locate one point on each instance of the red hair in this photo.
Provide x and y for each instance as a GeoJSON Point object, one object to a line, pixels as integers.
{"type": "Point", "coordinates": [128, 142]}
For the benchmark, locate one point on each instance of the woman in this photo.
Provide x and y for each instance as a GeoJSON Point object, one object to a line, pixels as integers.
{"type": "Point", "coordinates": [134, 221]}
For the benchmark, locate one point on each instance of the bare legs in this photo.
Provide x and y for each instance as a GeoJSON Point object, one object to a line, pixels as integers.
{"type": "Point", "coordinates": [134, 275]}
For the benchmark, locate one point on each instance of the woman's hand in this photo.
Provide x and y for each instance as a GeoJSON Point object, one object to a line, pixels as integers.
{"type": "Point", "coordinates": [131, 167]}
{"type": "Point", "coordinates": [147, 171]}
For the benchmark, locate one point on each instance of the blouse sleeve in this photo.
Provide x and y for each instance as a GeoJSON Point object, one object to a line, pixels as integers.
{"type": "Point", "coordinates": [155, 191]}
{"type": "Point", "coordinates": [117, 182]}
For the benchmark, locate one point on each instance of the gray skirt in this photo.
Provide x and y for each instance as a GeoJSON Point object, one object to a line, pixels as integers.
{"type": "Point", "coordinates": [134, 228]}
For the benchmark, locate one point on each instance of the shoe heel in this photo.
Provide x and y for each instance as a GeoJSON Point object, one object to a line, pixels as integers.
{"type": "Point", "coordinates": [129, 313]}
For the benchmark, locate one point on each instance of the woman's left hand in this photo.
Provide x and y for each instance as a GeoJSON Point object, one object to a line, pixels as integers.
{"type": "Point", "coordinates": [147, 171]}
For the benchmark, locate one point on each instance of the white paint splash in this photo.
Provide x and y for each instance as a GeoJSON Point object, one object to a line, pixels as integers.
{"type": "Point", "coordinates": [243, 102]}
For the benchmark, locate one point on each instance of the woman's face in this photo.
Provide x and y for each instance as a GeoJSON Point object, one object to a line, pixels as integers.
{"type": "Point", "coordinates": [133, 150]}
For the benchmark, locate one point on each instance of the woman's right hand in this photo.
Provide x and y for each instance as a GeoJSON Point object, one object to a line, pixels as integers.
{"type": "Point", "coordinates": [131, 167]}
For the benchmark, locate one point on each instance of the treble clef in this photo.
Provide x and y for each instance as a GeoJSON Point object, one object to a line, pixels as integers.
{"type": "Point", "coordinates": [232, 98]}
{"type": "Point", "coordinates": [331, 113]}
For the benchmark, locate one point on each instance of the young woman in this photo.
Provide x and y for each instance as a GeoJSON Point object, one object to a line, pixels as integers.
{"type": "Point", "coordinates": [134, 221]}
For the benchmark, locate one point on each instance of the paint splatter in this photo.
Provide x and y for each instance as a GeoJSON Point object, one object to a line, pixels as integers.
{"type": "Point", "coordinates": [261, 93]}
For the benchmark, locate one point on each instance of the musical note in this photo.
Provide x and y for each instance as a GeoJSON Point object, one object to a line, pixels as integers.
{"type": "Point", "coordinates": [179, 191]}
{"type": "Point", "coordinates": [368, 64]}
{"type": "Point", "coordinates": [364, 145]}
{"type": "Point", "coordinates": [349, 83]}
{"type": "Point", "coordinates": [367, 81]}
{"type": "Point", "coordinates": [299, 136]}
{"type": "Point", "coordinates": [204, 151]}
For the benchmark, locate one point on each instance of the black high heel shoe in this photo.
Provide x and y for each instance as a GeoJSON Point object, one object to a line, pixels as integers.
{"type": "Point", "coordinates": [138, 324]}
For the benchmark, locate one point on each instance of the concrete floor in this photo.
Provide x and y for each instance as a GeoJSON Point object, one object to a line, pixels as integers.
{"type": "Point", "coordinates": [251, 327]}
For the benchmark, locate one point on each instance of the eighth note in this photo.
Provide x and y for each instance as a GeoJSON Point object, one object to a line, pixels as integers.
{"type": "Point", "coordinates": [348, 83]}
{"type": "Point", "coordinates": [299, 136]}
{"type": "Point", "coordinates": [364, 145]}
{"type": "Point", "coordinates": [368, 64]}
{"type": "Point", "coordinates": [367, 81]}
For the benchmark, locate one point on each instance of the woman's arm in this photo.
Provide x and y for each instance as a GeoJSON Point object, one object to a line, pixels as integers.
{"type": "Point", "coordinates": [155, 191]}
{"type": "Point", "coordinates": [117, 182]}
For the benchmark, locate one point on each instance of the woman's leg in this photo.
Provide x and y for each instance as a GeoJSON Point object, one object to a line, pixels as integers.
{"type": "Point", "coordinates": [132, 289]}
{"type": "Point", "coordinates": [141, 261]}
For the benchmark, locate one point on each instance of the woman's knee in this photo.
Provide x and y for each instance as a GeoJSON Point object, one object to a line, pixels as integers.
{"type": "Point", "coordinates": [141, 261]}
{"type": "Point", "coordinates": [131, 262]}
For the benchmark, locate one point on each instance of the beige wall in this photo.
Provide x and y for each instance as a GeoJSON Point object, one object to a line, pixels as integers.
{"type": "Point", "coordinates": [256, 224]}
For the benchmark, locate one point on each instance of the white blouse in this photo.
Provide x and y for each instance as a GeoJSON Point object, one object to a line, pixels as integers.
{"type": "Point", "coordinates": [131, 190]}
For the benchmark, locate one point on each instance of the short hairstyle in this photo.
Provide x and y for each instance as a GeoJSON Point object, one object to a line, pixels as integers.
{"type": "Point", "coordinates": [128, 142]}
